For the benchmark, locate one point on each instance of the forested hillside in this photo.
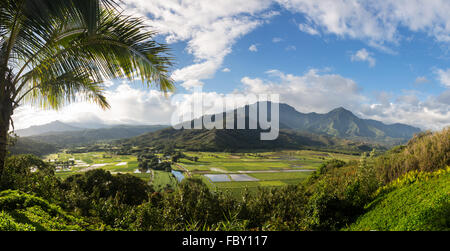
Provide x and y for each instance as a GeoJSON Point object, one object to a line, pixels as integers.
{"type": "Point", "coordinates": [339, 128]}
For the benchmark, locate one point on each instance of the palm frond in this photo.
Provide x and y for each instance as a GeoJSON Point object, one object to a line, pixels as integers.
{"type": "Point", "coordinates": [66, 48]}
{"type": "Point", "coordinates": [66, 88]}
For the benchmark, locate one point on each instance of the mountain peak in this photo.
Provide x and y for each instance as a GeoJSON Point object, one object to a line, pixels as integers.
{"type": "Point", "coordinates": [341, 110]}
{"type": "Point", "coordinates": [56, 122]}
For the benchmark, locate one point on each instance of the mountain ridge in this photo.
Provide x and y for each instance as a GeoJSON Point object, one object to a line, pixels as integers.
{"type": "Point", "coordinates": [54, 126]}
{"type": "Point", "coordinates": [81, 137]}
{"type": "Point", "coordinates": [341, 122]}
{"type": "Point", "coordinates": [337, 128]}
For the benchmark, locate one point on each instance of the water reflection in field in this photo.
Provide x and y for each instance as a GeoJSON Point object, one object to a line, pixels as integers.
{"type": "Point", "coordinates": [218, 177]}
{"type": "Point", "coordinates": [179, 175]}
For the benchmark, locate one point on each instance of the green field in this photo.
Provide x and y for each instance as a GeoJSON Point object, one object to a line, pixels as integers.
{"type": "Point", "coordinates": [265, 169]}
{"type": "Point", "coordinates": [94, 160]}
{"type": "Point", "coordinates": [113, 163]}
{"type": "Point", "coordinates": [270, 169]}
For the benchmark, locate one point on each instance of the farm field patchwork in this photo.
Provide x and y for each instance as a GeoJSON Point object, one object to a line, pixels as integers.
{"type": "Point", "coordinates": [232, 172]}
{"type": "Point", "coordinates": [226, 172]}
{"type": "Point", "coordinates": [93, 160]}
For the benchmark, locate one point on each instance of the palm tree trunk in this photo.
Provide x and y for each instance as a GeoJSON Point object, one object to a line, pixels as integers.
{"type": "Point", "coordinates": [5, 116]}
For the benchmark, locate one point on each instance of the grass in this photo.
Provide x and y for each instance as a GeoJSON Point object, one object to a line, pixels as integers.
{"type": "Point", "coordinates": [163, 180]}
{"type": "Point", "coordinates": [280, 176]}
{"type": "Point", "coordinates": [144, 176]}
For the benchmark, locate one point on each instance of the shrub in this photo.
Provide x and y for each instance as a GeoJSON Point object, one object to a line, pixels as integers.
{"type": "Point", "coordinates": [426, 152]}
{"type": "Point", "coordinates": [25, 212]}
{"type": "Point", "coordinates": [28, 173]}
{"type": "Point", "coordinates": [86, 193]}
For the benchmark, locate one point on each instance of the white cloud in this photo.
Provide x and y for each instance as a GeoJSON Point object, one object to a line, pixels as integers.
{"type": "Point", "coordinates": [253, 48]}
{"type": "Point", "coordinates": [444, 97]}
{"type": "Point", "coordinates": [128, 105]}
{"type": "Point", "coordinates": [277, 39]}
{"type": "Point", "coordinates": [210, 28]}
{"type": "Point", "coordinates": [444, 77]}
{"type": "Point", "coordinates": [309, 92]}
{"type": "Point", "coordinates": [408, 109]}
{"type": "Point", "coordinates": [364, 55]}
{"type": "Point", "coordinates": [308, 29]}
{"type": "Point", "coordinates": [270, 14]}
{"type": "Point", "coordinates": [191, 84]}
{"type": "Point", "coordinates": [226, 70]}
{"type": "Point", "coordinates": [421, 80]}
{"type": "Point", "coordinates": [377, 22]}
{"type": "Point", "coordinates": [108, 83]}
{"type": "Point", "coordinates": [291, 48]}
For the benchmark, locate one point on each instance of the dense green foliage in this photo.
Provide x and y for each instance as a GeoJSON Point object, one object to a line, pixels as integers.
{"type": "Point", "coordinates": [24, 212]}
{"type": "Point", "coordinates": [151, 161]}
{"type": "Point", "coordinates": [30, 174]}
{"type": "Point", "coordinates": [97, 193]}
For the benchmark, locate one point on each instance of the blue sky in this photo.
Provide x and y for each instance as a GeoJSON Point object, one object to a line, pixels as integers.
{"type": "Point", "coordinates": [387, 60]}
{"type": "Point", "coordinates": [294, 51]}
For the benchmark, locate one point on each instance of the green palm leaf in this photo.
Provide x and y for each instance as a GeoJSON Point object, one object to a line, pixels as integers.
{"type": "Point", "coordinates": [53, 52]}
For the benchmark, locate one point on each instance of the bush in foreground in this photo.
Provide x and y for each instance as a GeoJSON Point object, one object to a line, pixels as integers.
{"type": "Point", "coordinates": [23, 212]}
{"type": "Point", "coordinates": [416, 202]}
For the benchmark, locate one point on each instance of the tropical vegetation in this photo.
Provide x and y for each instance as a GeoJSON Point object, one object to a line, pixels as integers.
{"type": "Point", "coordinates": [380, 191]}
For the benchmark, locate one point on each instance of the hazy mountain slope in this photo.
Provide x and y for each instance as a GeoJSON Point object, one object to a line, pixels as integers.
{"type": "Point", "coordinates": [55, 126]}
{"type": "Point", "coordinates": [89, 136]}
{"type": "Point", "coordinates": [29, 146]}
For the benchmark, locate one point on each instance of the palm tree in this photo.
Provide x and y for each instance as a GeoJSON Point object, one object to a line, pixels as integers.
{"type": "Point", "coordinates": [53, 52]}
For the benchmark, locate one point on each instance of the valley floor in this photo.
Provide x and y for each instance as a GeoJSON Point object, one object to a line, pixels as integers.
{"type": "Point", "coordinates": [227, 172]}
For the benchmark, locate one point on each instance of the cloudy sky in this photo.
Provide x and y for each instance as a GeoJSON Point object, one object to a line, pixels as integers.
{"type": "Point", "coordinates": [387, 60]}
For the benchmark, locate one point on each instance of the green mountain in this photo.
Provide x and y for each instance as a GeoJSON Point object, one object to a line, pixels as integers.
{"type": "Point", "coordinates": [230, 140]}
{"type": "Point", "coordinates": [338, 129]}
{"type": "Point", "coordinates": [344, 124]}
